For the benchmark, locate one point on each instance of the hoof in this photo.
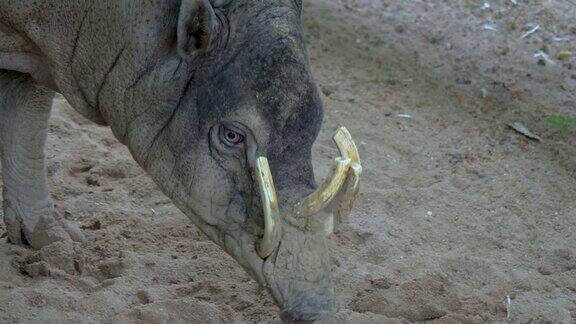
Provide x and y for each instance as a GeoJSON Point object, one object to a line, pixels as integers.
{"type": "Point", "coordinates": [49, 229]}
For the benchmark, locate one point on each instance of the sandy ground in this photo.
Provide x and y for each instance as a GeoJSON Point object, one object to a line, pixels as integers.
{"type": "Point", "coordinates": [460, 220]}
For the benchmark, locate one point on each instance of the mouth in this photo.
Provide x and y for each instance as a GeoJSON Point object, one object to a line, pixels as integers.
{"type": "Point", "coordinates": [298, 276]}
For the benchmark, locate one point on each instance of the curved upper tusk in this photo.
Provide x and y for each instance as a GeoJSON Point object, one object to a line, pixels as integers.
{"type": "Point", "coordinates": [271, 237]}
{"type": "Point", "coordinates": [346, 145]}
{"type": "Point", "coordinates": [343, 204]}
{"type": "Point", "coordinates": [317, 200]}
{"type": "Point", "coordinates": [336, 179]}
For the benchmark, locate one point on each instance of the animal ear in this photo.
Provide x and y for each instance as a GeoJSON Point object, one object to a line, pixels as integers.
{"type": "Point", "coordinates": [197, 27]}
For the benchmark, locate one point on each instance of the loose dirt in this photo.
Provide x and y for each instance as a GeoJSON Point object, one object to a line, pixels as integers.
{"type": "Point", "coordinates": [460, 219]}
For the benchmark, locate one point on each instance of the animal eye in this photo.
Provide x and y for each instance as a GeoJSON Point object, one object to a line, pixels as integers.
{"type": "Point", "coordinates": [231, 137]}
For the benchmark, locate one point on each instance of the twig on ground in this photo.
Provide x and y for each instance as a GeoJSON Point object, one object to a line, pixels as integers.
{"type": "Point", "coordinates": [508, 307]}
{"type": "Point", "coordinates": [531, 31]}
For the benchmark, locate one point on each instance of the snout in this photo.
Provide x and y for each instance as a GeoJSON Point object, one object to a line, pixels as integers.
{"type": "Point", "coordinates": [309, 309]}
{"type": "Point", "coordinates": [295, 247]}
{"type": "Point", "coordinates": [299, 277]}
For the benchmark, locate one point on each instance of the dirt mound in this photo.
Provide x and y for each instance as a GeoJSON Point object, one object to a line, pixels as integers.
{"type": "Point", "coordinates": [178, 311]}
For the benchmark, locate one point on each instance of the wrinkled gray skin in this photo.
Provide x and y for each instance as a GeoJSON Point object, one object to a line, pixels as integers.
{"type": "Point", "coordinates": [164, 75]}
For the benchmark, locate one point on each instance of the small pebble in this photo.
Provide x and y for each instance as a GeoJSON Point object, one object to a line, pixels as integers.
{"type": "Point", "coordinates": [564, 55]}
{"type": "Point", "coordinates": [93, 181]}
{"type": "Point", "coordinates": [107, 283]}
{"type": "Point", "coordinates": [144, 297]}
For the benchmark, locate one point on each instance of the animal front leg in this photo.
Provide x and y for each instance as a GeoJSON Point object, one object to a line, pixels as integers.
{"type": "Point", "coordinates": [29, 213]}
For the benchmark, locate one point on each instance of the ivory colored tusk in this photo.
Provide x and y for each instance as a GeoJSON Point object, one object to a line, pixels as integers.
{"type": "Point", "coordinates": [346, 145]}
{"type": "Point", "coordinates": [333, 184]}
{"type": "Point", "coordinates": [344, 203]}
{"type": "Point", "coordinates": [269, 200]}
{"type": "Point", "coordinates": [317, 200]}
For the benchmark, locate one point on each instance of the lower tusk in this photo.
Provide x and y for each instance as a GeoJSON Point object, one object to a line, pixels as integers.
{"type": "Point", "coordinates": [271, 237]}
